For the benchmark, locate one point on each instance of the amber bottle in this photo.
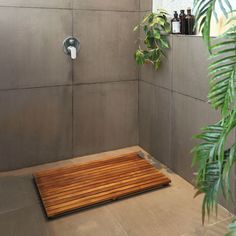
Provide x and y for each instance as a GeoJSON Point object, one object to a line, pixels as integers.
{"type": "Point", "coordinates": [190, 21]}
{"type": "Point", "coordinates": [182, 18]}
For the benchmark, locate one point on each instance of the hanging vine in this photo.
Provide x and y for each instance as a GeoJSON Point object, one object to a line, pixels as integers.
{"type": "Point", "coordinates": [156, 28]}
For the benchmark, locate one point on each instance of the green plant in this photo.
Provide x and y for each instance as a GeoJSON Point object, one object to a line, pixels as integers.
{"type": "Point", "coordinates": [213, 157]}
{"type": "Point", "coordinates": [155, 27]}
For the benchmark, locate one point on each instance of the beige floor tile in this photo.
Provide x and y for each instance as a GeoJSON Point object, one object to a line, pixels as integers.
{"type": "Point", "coordinates": [170, 211]}
{"type": "Point", "coordinates": [218, 229]}
{"type": "Point", "coordinates": [93, 222]}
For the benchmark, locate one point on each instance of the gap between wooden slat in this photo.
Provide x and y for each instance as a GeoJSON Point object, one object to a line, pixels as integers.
{"type": "Point", "coordinates": [99, 181]}
{"type": "Point", "coordinates": [103, 188]}
{"type": "Point", "coordinates": [113, 196]}
{"type": "Point", "coordinates": [85, 173]}
{"type": "Point", "coordinates": [85, 165]}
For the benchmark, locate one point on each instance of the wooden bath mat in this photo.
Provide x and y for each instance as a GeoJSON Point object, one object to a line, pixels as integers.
{"type": "Point", "coordinates": [71, 188]}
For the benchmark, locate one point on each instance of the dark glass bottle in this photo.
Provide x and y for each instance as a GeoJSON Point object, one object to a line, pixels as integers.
{"type": "Point", "coordinates": [182, 18]}
{"type": "Point", "coordinates": [190, 21]}
{"type": "Point", "coordinates": [175, 24]}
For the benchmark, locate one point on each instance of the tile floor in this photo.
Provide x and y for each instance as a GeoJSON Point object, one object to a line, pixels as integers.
{"type": "Point", "coordinates": [171, 211]}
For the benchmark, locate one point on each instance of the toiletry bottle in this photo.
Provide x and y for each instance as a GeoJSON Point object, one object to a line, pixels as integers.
{"type": "Point", "coordinates": [175, 24]}
{"type": "Point", "coordinates": [182, 18]}
{"type": "Point", "coordinates": [190, 21]}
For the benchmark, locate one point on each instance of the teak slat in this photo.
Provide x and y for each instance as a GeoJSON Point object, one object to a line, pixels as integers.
{"type": "Point", "coordinates": [69, 188]}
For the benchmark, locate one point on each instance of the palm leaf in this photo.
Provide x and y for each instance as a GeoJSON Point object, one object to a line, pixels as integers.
{"type": "Point", "coordinates": [214, 163]}
{"type": "Point", "coordinates": [204, 10]}
{"type": "Point", "coordinates": [232, 229]}
{"type": "Point", "coordinates": [222, 71]}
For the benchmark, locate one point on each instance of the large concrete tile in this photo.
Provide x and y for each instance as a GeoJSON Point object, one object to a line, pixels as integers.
{"type": "Point", "coordinates": [190, 66]}
{"type": "Point", "coordinates": [218, 229]}
{"type": "Point", "coordinates": [37, 3]}
{"type": "Point", "coordinates": [27, 221]}
{"type": "Point", "coordinates": [97, 221]}
{"type": "Point", "coordinates": [167, 211]}
{"type": "Point", "coordinates": [163, 76]}
{"type": "Point", "coordinates": [171, 213]}
{"type": "Point", "coordinates": [155, 121]}
{"type": "Point", "coordinates": [146, 5]}
{"type": "Point", "coordinates": [122, 5]}
{"type": "Point", "coordinates": [189, 115]}
{"type": "Point", "coordinates": [31, 47]}
{"type": "Point", "coordinates": [35, 126]}
{"type": "Point", "coordinates": [105, 117]}
{"type": "Point", "coordinates": [107, 48]}
{"type": "Point", "coordinates": [135, 218]}
{"type": "Point", "coordinates": [17, 192]}
{"type": "Point", "coordinates": [161, 212]}
{"type": "Point", "coordinates": [169, 207]}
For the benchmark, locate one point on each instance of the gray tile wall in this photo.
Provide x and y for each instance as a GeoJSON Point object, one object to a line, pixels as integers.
{"type": "Point", "coordinates": [155, 121]}
{"type": "Point", "coordinates": [190, 60]}
{"type": "Point", "coordinates": [35, 126]}
{"type": "Point", "coordinates": [37, 3]}
{"type": "Point", "coordinates": [107, 51]}
{"type": "Point", "coordinates": [170, 119]}
{"type": "Point", "coordinates": [51, 108]}
{"type": "Point", "coordinates": [146, 5]}
{"type": "Point", "coordinates": [173, 107]}
{"type": "Point", "coordinates": [31, 47]}
{"type": "Point", "coordinates": [105, 116]}
{"type": "Point", "coordinates": [121, 5]}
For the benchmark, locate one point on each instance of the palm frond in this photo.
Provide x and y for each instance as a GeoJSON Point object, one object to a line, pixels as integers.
{"type": "Point", "coordinates": [204, 10]}
{"type": "Point", "coordinates": [232, 229]}
{"type": "Point", "coordinates": [222, 72]}
{"type": "Point", "coordinates": [208, 177]}
{"type": "Point", "coordinates": [214, 159]}
{"type": "Point", "coordinates": [214, 162]}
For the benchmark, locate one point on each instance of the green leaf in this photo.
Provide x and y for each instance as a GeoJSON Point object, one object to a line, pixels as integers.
{"type": "Point", "coordinates": [157, 64]}
{"type": "Point", "coordinates": [232, 229]}
{"type": "Point", "coordinates": [156, 34]}
{"type": "Point", "coordinates": [136, 28]}
{"type": "Point", "coordinates": [164, 43]}
{"type": "Point", "coordinates": [223, 8]}
{"type": "Point", "coordinates": [228, 5]}
{"type": "Point", "coordinates": [139, 56]}
{"type": "Point", "coordinates": [154, 26]}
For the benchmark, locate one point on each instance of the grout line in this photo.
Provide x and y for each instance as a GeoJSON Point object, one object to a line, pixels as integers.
{"type": "Point", "coordinates": [66, 85]}
{"type": "Point", "coordinates": [36, 7]}
{"type": "Point", "coordinates": [72, 122]}
{"type": "Point", "coordinates": [174, 91]}
{"type": "Point", "coordinates": [116, 220]}
{"type": "Point", "coordinates": [138, 112]}
{"type": "Point", "coordinates": [139, 76]}
{"type": "Point", "coordinates": [72, 4]}
{"type": "Point", "coordinates": [105, 10]}
{"type": "Point", "coordinates": [67, 8]}
{"type": "Point", "coordinates": [19, 208]}
{"type": "Point", "coordinates": [155, 85]}
{"type": "Point", "coordinates": [105, 82]}
{"type": "Point", "coordinates": [72, 97]}
{"type": "Point", "coordinates": [172, 113]}
{"type": "Point", "coordinates": [39, 87]}
{"type": "Point", "coordinates": [220, 221]}
{"type": "Point", "coordinates": [186, 95]}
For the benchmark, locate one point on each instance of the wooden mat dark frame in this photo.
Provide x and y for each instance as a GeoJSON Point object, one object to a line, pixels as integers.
{"type": "Point", "coordinates": [70, 188]}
